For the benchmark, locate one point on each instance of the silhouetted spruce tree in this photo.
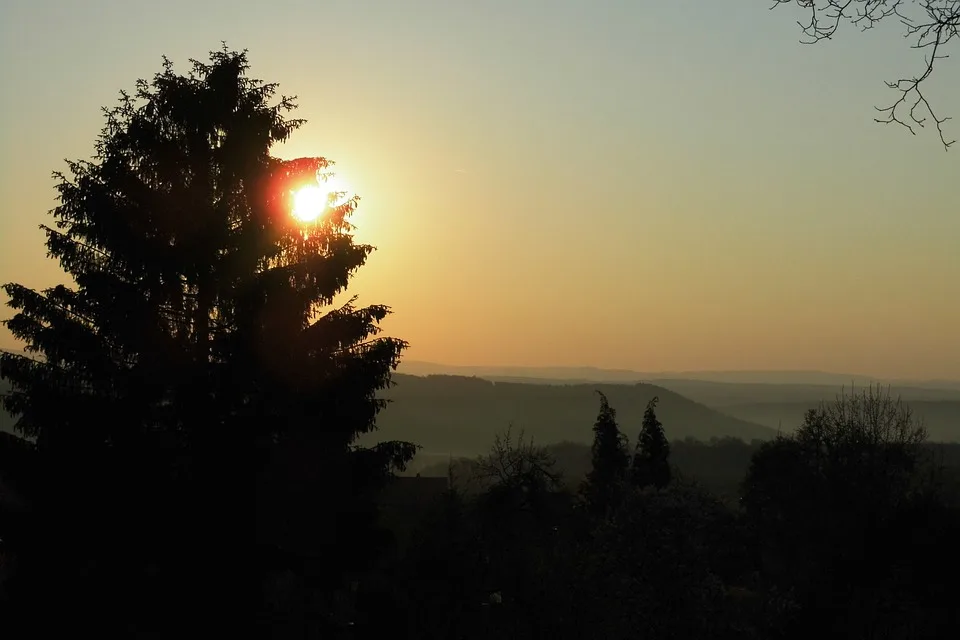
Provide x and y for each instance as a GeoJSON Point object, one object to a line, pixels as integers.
{"type": "Point", "coordinates": [651, 462]}
{"type": "Point", "coordinates": [603, 486]}
{"type": "Point", "coordinates": [198, 349]}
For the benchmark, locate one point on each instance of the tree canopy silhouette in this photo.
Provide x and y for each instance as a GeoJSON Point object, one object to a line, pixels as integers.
{"type": "Point", "coordinates": [604, 484]}
{"type": "Point", "coordinates": [833, 499]}
{"type": "Point", "coordinates": [519, 464]}
{"type": "Point", "coordinates": [199, 341]}
{"type": "Point", "coordinates": [651, 462]}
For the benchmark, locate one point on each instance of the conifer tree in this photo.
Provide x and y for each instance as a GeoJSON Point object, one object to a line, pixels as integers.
{"type": "Point", "coordinates": [198, 347]}
{"type": "Point", "coordinates": [604, 482]}
{"type": "Point", "coordinates": [651, 461]}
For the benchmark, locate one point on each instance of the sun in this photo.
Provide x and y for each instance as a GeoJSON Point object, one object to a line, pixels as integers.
{"type": "Point", "coordinates": [310, 202]}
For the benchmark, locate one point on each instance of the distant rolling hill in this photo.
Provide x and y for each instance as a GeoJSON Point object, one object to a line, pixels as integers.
{"type": "Point", "coordinates": [776, 400]}
{"type": "Point", "coordinates": [784, 405]}
{"type": "Point", "coordinates": [941, 418]}
{"type": "Point", "coordinates": [722, 394]}
{"type": "Point", "coordinates": [596, 374]}
{"type": "Point", "coordinates": [460, 415]}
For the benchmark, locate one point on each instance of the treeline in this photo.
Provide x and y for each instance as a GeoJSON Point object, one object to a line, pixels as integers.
{"type": "Point", "coordinates": [718, 465]}
{"type": "Point", "coordinates": [836, 531]}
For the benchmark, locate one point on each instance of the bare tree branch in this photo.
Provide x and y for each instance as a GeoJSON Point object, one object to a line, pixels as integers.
{"type": "Point", "coordinates": [518, 463]}
{"type": "Point", "coordinates": [929, 24]}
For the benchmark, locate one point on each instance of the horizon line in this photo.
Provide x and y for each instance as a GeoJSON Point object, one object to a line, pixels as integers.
{"type": "Point", "coordinates": [662, 373]}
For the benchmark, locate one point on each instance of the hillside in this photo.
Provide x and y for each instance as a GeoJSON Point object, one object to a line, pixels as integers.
{"type": "Point", "coordinates": [460, 415]}
{"type": "Point", "coordinates": [721, 394]}
{"type": "Point", "coordinates": [427, 408]}
{"type": "Point", "coordinates": [784, 405]}
{"type": "Point", "coordinates": [596, 374]}
{"type": "Point", "coordinates": [941, 418]}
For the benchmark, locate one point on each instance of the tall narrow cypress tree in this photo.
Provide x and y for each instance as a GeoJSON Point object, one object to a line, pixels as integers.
{"type": "Point", "coordinates": [651, 462]}
{"type": "Point", "coordinates": [603, 486]}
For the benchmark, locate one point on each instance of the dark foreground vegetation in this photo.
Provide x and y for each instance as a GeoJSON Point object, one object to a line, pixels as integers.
{"type": "Point", "coordinates": [846, 528]}
{"type": "Point", "coordinates": [197, 460]}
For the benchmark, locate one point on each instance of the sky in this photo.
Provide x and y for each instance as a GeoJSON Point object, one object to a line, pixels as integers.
{"type": "Point", "coordinates": [660, 186]}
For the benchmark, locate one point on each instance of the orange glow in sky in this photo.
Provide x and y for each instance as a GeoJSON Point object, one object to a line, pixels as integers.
{"type": "Point", "coordinates": [531, 202]}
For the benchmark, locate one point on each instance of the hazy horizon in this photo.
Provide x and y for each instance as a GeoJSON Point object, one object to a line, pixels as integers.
{"type": "Point", "coordinates": [675, 186]}
{"type": "Point", "coordinates": [766, 376]}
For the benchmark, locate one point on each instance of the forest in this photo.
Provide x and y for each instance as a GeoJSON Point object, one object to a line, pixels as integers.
{"type": "Point", "coordinates": [203, 443]}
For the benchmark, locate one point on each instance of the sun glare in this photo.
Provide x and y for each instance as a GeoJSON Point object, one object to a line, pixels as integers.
{"type": "Point", "coordinates": [310, 202]}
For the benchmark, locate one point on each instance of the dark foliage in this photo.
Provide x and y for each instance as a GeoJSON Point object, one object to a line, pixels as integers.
{"type": "Point", "coordinates": [197, 354]}
{"type": "Point", "coordinates": [604, 483]}
{"type": "Point", "coordinates": [804, 554]}
{"type": "Point", "coordinates": [518, 465]}
{"type": "Point", "coordinates": [838, 508]}
{"type": "Point", "coordinates": [651, 462]}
